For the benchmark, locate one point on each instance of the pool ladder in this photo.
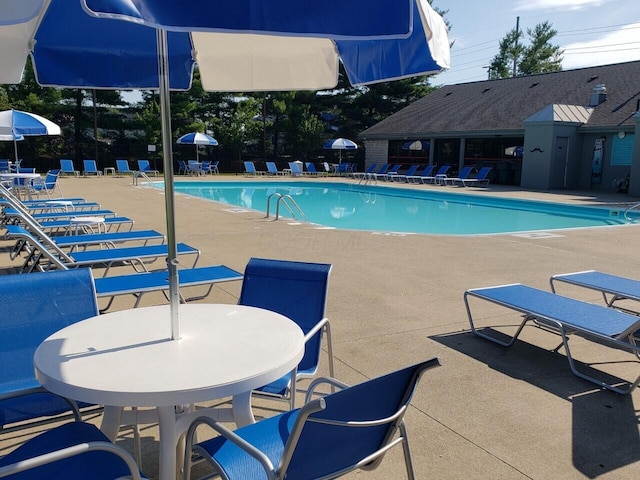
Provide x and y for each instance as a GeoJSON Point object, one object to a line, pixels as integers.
{"type": "Point", "coordinates": [289, 203]}
{"type": "Point", "coordinates": [143, 176]}
{"type": "Point", "coordinates": [626, 212]}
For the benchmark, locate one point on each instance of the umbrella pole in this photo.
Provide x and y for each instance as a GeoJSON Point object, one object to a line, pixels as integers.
{"type": "Point", "coordinates": [165, 114]}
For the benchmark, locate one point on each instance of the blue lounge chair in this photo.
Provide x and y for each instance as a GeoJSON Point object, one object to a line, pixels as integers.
{"type": "Point", "coordinates": [370, 170]}
{"type": "Point", "coordinates": [301, 296]}
{"type": "Point", "coordinates": [612, 287]}
{"type": "Point", "coordinates": [296, 169]}
{"type": "Point", "coordinates": [462, 176]}
{"type": "Point", "coordinates": [66, 166]}
{"type": "Point", "coordinates": [145, 167]}
{"type": "Point", "coordinates": [330, 436]}
{"type": "Point", "coordinates": [566, 316]}
{"type": "Point", "coordinates": [480, 180]}
{"type": "Point", "coordinates": [4, 165]}
{"type": "Point", "coordinates": [440, 175]}
{"type": "Point", "coordinates": [393, 171]}
{"type": "Point", "coordinates": [182, 167]}
{"type": "Point", "coordinates": [71, 450]}
{"type": "Point", "coordinates": [90, 168]}
{"type": "Point", "coordinates": [404, 176]}
{"type": "Point", "coordinates": [426, 172]}
{"type": "Point", "coordinates": [32, 308]}
{"type": "Point", "coordinates": [311, 170]}
{"type": "Point", "coordinates": [44, 254]}
{"type": "Point", "coordinates": [272, 169]}
{"type": "Point", "coordinates": [138, 284]}
{"type": "Point", "coordinates": [122, 167]}
{"type": "Point", "coordinates": [382, 171]}
{"type": "Point", "coordinates": [250, 170]}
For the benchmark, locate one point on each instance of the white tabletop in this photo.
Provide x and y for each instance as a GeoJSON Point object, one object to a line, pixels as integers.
{"type": "Point", "coordinates": [126, 358]}
{"type": "Point", "coordinates": [19, 175]}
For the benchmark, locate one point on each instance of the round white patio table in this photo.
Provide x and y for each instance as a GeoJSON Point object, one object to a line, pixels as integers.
{"type": "Point", "coordinates": [126, 359]}
{"type": "Point", "coordinates": [25, 176]}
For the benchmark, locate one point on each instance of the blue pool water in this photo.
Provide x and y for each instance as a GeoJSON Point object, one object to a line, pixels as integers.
{"type": "Point", "coordinates": [393, 209]}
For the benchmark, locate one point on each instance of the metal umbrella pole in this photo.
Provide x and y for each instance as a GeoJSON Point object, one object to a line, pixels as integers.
{"type": "Point", "coordinates": [165, 113]}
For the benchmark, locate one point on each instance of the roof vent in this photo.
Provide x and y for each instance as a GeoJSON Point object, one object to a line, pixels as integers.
{"type": "Point", "coordinates": [592, 78]}
{"type": "Point", "coordinates": [447, 94]}
{"type": "Point", "coordinates": [598, 95]}
{"type": "Point", "coordinates": [486, 89]}
{"type": "Point", "coordinates": [534, 84]}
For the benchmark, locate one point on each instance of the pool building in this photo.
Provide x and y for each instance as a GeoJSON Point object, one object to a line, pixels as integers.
{"type": "Point", "coordinates": [572, 129]}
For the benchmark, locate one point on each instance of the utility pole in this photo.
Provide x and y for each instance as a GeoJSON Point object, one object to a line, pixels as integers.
{"type": "Point", "coordinates": [515, 58]}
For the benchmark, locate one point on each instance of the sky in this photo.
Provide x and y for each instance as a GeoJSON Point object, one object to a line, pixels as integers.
{"type": "Point", "coordinates": [591, 32]}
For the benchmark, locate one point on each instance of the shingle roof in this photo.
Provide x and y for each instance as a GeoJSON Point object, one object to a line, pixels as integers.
{"type": "Point", "coordinates": [503, 105]}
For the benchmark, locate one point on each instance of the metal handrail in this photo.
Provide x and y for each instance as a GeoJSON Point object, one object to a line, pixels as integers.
{"type": "Point", "coordinates": [288, 202]}
{"type": "Point", "coordinates": [626, 212]}
{"type": "Point", "coordinates": [138, 174]}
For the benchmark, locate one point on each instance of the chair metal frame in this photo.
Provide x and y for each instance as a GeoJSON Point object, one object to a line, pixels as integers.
{"type": "Point", "coordinates": [355, 427]}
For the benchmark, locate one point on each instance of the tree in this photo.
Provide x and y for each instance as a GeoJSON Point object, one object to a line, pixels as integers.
{"type": "Point", "coordinates": [540, 56]}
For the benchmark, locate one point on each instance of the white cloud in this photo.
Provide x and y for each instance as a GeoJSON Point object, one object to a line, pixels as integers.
{"type": "Point", "coordinates": [620, 46]}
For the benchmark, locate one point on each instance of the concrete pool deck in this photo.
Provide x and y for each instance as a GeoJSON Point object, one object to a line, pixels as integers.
{"type": "Point", "coordinates": [488, 412]}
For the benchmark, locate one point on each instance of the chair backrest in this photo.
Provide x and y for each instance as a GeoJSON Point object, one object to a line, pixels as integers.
{"type": "Point", "coordinates": [249, 167]}
{"type": "Point", "coordinates": [412, 169]}
{"type": "Point", "coordinates": [395, 168]}
{"type": "Point", "coordinates": [372, 168]}
{"type": "Point", "coordinates": [4, 165]}
{"type": "Point", "coordinates": [66, 165]}
{"type": "Point", "coordinates": [311, 167]}
{"type": "Point", "coordinates": [343, 447]}
{"type": "Point", "coordinates": [271, 167]}
{"type": "Point", "coordinates": [326, 166]}
{"type": "Point", "coordinates": [428, 170]}
{"type": "Point", "coordinates": [50, 179]}
{"type": "Point", "coordinates": [122, 165]}
{"type": "Point", "coordinates": [384, 168]}
{"type": "Point", "coordinates": [483, 172]}
{"type": "Point", "coordinates": [465, 172]}
{"type": "Point", "coordinates": [90, 165]}
{"type": "Point", "coordinates": [295, 168]}
{"type": "Point", "coordinates": [143, 165]}
{"type": "Point", "coordinates": [443, 169]}
{"type": "Point", "coordinates": [297, 290]}
{"type": "Point", "coordinates": [33, 307]}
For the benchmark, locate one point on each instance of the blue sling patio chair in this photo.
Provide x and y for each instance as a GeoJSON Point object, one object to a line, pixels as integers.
{"type": "Point", "coordinates": [70, 451]}
{"type": "Point", "coordinates": [66, 166]}
{"type": "Point", "coordinates": [328, 437]}
{"type": "Point", "coordinates": [426, 172]}
{"type": "Point", "coordinates": [46, 186]}
{"type": "Point", "coordinates": [90, 168]}
{"type": "Point", "coordinates": [32, 308]}
{"type": "Point", "coordinates": [301, 295]}
{"type": "Point", "coordinates": [122, 167]}
{"type": "Point", "coordinates": [145, 167]}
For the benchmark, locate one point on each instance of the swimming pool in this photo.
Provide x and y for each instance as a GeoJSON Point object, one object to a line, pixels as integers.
{"type": "Point", "coordinates": [393, 209]}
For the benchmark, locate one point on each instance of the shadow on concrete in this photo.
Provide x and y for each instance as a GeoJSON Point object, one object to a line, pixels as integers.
{"type": "Point", "coordinates": [605, 424]}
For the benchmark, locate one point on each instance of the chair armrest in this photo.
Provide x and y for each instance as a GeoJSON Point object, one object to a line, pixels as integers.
{"type": "Point", "coordinates": [72, 451]}
{"type": "Point", "coordinates": [232, 437]}
{"type": "Point", "coordinates": [333, 382]}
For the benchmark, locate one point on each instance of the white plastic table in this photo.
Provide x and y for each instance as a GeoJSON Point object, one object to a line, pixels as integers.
{"type": "Point", "coordinates": [25, 176]}
{"type": "Point", "coordinates": [126, 358]}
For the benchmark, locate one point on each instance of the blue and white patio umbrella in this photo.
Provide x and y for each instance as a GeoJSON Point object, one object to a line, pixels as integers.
{"type": "Point", "coordinates": [340, 144]}
{"type": "Point", "coordinates": [197, 139]}
{"type": "Point", "coordinates": [15, 125]}
{"type": "Point", "coordinates": [416, 145]}
{"type": "Point", "coordinates": [239, 45]}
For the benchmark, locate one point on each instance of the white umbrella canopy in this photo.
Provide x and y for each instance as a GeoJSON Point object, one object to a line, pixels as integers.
{"type": "Point", "coordinates": [197, 139]}
{"type": "Point", "coordinates": [340, 144]}
{"type": "Point", "coordinates": [244, 45]}
{"type": "Point", "coordinates": [15, 124]}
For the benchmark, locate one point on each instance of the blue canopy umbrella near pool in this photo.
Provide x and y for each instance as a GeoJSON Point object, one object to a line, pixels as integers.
{"type": "Point", "coordinates": [340, 144]}
{"type": "Point", "coordinates": [416, 145]}
{"type": "Point", "coordinates": [79, 44]}
{"type": "Point", "coordinates": [15, 125]}
{"type": "Point", "coordinates": [197, 139]}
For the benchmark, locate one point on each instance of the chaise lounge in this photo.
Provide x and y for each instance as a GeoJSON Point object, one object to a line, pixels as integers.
{"type": "Point", "coordinates": [562, 315]}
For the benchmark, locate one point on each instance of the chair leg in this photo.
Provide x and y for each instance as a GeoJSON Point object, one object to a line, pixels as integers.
{"type": "Point", "coordinates": [407, 452]}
